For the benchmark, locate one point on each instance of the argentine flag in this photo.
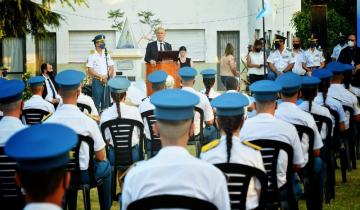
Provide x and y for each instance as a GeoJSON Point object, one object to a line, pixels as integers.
{"type": "Point", "coordinates": [264, 11]}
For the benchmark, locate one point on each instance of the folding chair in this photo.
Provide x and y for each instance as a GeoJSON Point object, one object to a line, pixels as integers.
{"type": "Point", "coordinates": [33, 116]}
{"type": "Point", "coordinates": [198, 140]}
{"type": "Point", "coordinates": [155, 140]}
{"type": "Point", "coordinates": [84, 107]}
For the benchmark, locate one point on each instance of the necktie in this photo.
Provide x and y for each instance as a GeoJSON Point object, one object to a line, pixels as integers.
{"type": "Point", "coordinates": [52, 88]}
{"type": "Point", "coordinates": [161, 47]}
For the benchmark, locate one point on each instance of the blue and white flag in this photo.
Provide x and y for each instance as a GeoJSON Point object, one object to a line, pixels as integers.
{"type": "Point", "coordinates": [265, 11]}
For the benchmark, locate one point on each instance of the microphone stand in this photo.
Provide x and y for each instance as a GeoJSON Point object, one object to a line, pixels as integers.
{"type": "Point", "coordinates": [105, 84]}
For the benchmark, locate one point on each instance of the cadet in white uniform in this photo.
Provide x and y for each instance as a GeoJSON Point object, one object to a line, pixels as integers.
{"type": "Point", "coordinates": [174, 170]}
{"type": "Point", "coordinates": [87, 100]}
{"type": "Point", "coordinates": [118, 87]}
{"type": "Point", "coordinates": [298, 55]}
{"type": "Point", "coordinates": [41, 166]}
{"type": "Point", "coordinates": [313, 57]}
{"type": "Point", "coordinates": [11, 105]}
{"type": "Point", "coordinates": [229, 149]}
{"type": "Point", "coordinates": [36, 101]}
{"type": "Point", "coordinates": [337, 49]}
{"type": "Point", "coordinates": [69, 114]}
{"type": "Point", "coordinates": [209, 81]}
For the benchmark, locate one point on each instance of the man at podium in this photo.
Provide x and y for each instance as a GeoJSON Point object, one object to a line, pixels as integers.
{"type": "Point", "coordinates": [159, 45]}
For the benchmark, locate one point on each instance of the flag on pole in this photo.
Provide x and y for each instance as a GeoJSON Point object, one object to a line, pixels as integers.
{"type": "Point", "coordinates": [265, 11]}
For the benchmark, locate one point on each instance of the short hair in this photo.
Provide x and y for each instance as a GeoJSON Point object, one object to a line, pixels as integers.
{"type": "Point", "coordinates": [264, 104]}
{"type": "Point", "coordinates": [289, 94]}
{"type": "Point", "coordinates": [231, 83]}
{"type": "Point", "coordinates": [43, 67]}
{"type": "Point", "coordinates": [159, 29]}
{"type": "Point", "coordinates": [67, 93]}
{"type": "Point", "coordinates": [7, 107]}
{"type": "Point", "coordinates": [157, 86]}
{"type": "Point", "coordinates": [173, 129]}
{"type": "Point", "coordinates": [41, 184]}
{"type": "Point", "coordinates": [35, 89]}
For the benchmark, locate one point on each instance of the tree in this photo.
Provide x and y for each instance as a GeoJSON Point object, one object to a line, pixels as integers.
{"type": "Point", "coordinates": [21, 17]}
{"type": "Point", "coordinates": [116, 16]}
{"type": "Point", "coordinates": [146, 17]}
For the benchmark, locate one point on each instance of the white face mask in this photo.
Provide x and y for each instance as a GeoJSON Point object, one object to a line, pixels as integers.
{"type": "Point", "coordinates": [351, 43]}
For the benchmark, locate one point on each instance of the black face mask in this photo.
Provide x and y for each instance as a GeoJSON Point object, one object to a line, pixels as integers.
{"type": "Point", "coordinates": [312, 45]}
{"type": "Point", "coordinates": [296, 46]}
{"type": "Point", "coordinates": [50, 73]}
{"type": "Point", "coordinates": [277, 45]}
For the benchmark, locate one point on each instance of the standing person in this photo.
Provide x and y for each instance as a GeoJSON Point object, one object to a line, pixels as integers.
{"type": "Point", "coordinates": [280, 60]}
{"type": "Point", "coordinates": [184, 61]}
{"type": "Point", "coordinates": [209, 81]}
{"type": "Point", "coordinates": [101, 68]}
{"type": "Point", "coordinates": [351, 53]}
{"type": "Point", "coordinates": [228, 64]}
{"type": "Point", "coordinates": [36, 101]}
{"type": "Point", "coordinates": [50, 94]}
{"type": "Point", "coordinates": [174, 170]}
{"type": "Point", "coordinates": [153, 48]}
{"type": "Point", "coordinates": [339, 47]}
{"type": "Point", "coordinates": [41, 153]}
{"type": "Point", "coordinates": [298, 55]}
{"type": "Point", "coordinates": [265, 47]}
{"type": "Point", "coordinates": [255, 63]}
{"type": "Point", "coordinates": [313, 57]}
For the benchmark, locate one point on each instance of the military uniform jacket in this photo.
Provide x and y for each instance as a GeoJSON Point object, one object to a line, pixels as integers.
{"type": "Point", "coordinates": [42, 206]}
{"type": "Point", "coordinates": [37, 102]}
{"type": "Point", "coordinates": [8, 126]}
{"type": "Point", "coordinates": [84, 99]}
{"type": "Point", "coordinates": [313, 58]}
{"type": "Point", "coordinates": [98, 62]}
{"type": "Point", "coordinates": [281, 59]}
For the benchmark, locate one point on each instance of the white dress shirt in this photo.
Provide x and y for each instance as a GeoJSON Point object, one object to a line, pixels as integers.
{"type": "Point", "coordinates": [174, 171]}
{"type": "Point", "coordinates": [333, 104]}
{"type": "Point", "coordinates": [145, 106]}
{"type": "Point", "coordinates": [84, 99]}
{"type": "Point", "coordinates": [355, 90]}
{"type": "Point", "coordinates": [212, 93]}
{"type": "Point", "coordinates": [290, 113]}
{"type": "Point", "coordinates": [127, 112]}
{"type": "Point", "coordinates": [240, 154]}
{"type": "Point", "coordinates": [266, 126]}
{"type": "Point", "coordinates": [42, 206]}
{"type": "Point", "coordinates": [49, 96]}
{"type": "Point", "coordinates": [313, 58]}
{"type": "Point", "coordinates": [281, 59]}
{"type": "Point", "coordinates": [98, 62]}
{"type": "Point", "coordinates": [37, 102]}
{"type": "Point", "coordinates": [337, 51]}
{"type": "Point", "coordinates": [258, 59]}
{"type": "Point", "coordinates": [9, 126]}
{"type": "Point", "coordinates": [159, 46]}
{"type": "Point", "coordinates": [71, 116]}
{"type": "Point", "coordinates": [299, 60]}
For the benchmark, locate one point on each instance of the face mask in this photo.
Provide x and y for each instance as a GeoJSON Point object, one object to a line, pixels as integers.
{"type": "Point", "coordinates": [296, 46]}
{"type": "Point", "coordinates": [351, 43]}
{"type": "Point", "coordinates": [312, 45]}
{"type": "Point", "coordinates": [102, 46]}
{"type": "Point", "coordinates": [257, 49]}
{"type": "Point", "coordinates": [277, 45]}
{"type": "Point", "coordinates": [50, 73]}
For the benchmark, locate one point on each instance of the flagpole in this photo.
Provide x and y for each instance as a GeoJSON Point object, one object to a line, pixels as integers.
{"type": "Point", "coordinates": [263, 19]}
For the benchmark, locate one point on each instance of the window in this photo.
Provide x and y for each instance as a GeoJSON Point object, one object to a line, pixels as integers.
{"type": "Point", "coordinates": [270, 36]}
{"type": "Point", "coordinates": [288, 42]}
{"type": "Point", "coordinates": [192, 39]}
{"type": "Point", "coordinates": [80, 44]}
{"type": "Point", "coordinates": [257, 34]}
{"type": "Point", "coordinates": [13, 54]}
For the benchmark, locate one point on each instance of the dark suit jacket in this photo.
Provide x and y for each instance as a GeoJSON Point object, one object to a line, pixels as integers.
{"type": "Point", "coordinates": [152, 51]}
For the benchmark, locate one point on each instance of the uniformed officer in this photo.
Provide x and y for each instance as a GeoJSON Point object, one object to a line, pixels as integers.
{"type": "Point", "coordinates": [265, 126]}
{"type": "Point", "coordinates": [101, 68]}
{"type": "Point", "coordinates": [289, 112]}
{"type": "Point", "coordinates": [229, 148]}
{"type": "Point", "coordinates": [340, 46]}
{"type": "Point", "coordinates": [280, 60]}
{"type": "Point", "coordinates": [209, 81]}
{"type": "Point", "coordinates": [118, 87]}
{"type": "Point", "coordinates": [11, 105]}
{"type": "Point", "coordinates": [41, 153]}
{"type": "Point", "coordinates": [174, 170]}
{"type": "Point", "coordinates": [69, 114]}
{"type": "Point", "coordinates": [87, 100]}
{"type": "Point", "coordinates": [313, 57]}
{"type": "Point", "coordinates": [36, 101]}
{"type": "Point", "coordinates": [157, 80]}
{"type": "Point", "coordinates": [298, 55]}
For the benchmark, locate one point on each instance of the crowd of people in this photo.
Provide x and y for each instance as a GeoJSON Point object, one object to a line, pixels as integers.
{"type": "Point", "coordinates": [298, 86]}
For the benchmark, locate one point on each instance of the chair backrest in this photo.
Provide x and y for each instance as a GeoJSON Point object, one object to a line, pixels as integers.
{"type": "Point", "coordinates": [121, 131]}
{"type": "Point", "coordinates": [270, 150]}
{"type": "Point", "coordinates": [84, 107]}
{"type": "Point", "coordinates": [9, 191]}
{"type": "Point", "coordinates": [238, 177]}
{"type": "Point", "coordinates": [201, 113]}
{"type": "Point", "coordinates": [320, 120]}
{"type": "Point", "coordinates": [74, 164]}
{"type": "Point", "coordinates": [33, 116]}
{"type": "Point", "coordinates": [155, 140]}
{"type": "Point", "coordinates": [171, 202]}
{"type": "Point", "coordinates": [304, 130]}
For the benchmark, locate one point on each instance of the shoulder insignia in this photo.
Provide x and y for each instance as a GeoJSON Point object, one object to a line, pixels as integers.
{"type": "Point", "coordinates": [254, 146]}
{"type": "Point", "coordinates": [96, 118]}
{"type": "Point", "coordinates": [210, 145]}
{"type": "Point", "coordinates": [92, 51]}
{"type": "Point", "coordinates": [46, 117]}
{"type": "Point", "coordinates": [144, 98]}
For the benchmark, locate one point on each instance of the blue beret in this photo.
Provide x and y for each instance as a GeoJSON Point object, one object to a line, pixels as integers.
{"type": "Point", "coordinates": [157, 77]}
{"type": "Point", "coordinates": [322, 73]}
{"type": "Point", "coordinates": [41, 147]}
{"type": "Point", "coordinates": [36, 81]}
{"type": "Point", "coordinates": [265, 90]}
{"type": "Point", "coordinates": [11, 90]}
{"type": "Point", "coordinates": [230, 104]}
{"type": "Point", "coordinates": [174, 104]}
{"type": "Point", "coordinates": [69, 79]}
{"type": "Point", "coordinates": [208, 73]}
{"type": "Point", "coordinates": [119, 84]}
{"type": "Point", "coordinates": [289, 82]}
{"type": "Point", "coordinates": [309, 82]}
{"type": "Point", "coordinates": [187, 73]}
{"type": "Point", "coordinates": [99, 37]}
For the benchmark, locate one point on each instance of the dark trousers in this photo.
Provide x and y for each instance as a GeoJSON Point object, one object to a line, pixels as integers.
{"type": "Point", "coordinates": [313, 187]}
{"type": "Point", "coordinates": [254, 77]}
{"type": "Point", "coordinates": [100, 95]}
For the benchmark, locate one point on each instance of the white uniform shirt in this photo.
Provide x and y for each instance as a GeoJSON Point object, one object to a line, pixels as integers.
{"type": "Point", "coordinates": [42, 206]}
{"type": "Point", "coordinates": [37, 102]}
{"type": "Point", "coordinates": [266, 126]}
{"type": "Point", "coordinates": [49, 95]}
{"type": "Point", "coordinates": [337, 51]}
{"type": "Point", "coordinates": [240, 154]}
{"type": "Point", "coordinates": [8, 126]}
{"type": "Point", "coordinates": [256, 58]}
{"type": "Point", "coordinates": [204, 104]}
{"type": "Point", "coordinates": [333, 104]}
{"type": "Point", "coordinates": [313, 58]}
{"type": "Point", "coordinates": [290, 113]}
{"type": "Point", "coordinates": [212, 93]}
{"type": "Point", "coordinates": [174, 171]}
{"type": "Point", "coordinates": [355, 90]}
{"type": "Point", "coordinates": [299, 59]}
{"type": "Point", "coordinates": [281, 60]}
{"type": "Point", "coordinates": [84, 99]}
{"type": "Point", "coordinates": [127, 112]}
{"type": "Point", "coordinates": [71, 116]}
{"type": "Point", "coordinates": [98, 62]}
{"type": "Point", "coordinates": [146, 105]}
{"type": "Point", "coordinates": [319, 110]}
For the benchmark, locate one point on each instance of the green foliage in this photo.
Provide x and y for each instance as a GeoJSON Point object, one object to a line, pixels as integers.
{"type": "Point", "coordinates": [146, 17]}
{"type": "Point", "coordinates": [27, 92]}
{"type": "Point", "coordinates": [301, 21]}
{"type": "Point", "coordinates": [116, 16]}
{"type": "Point", "coordinates": [336, 23]}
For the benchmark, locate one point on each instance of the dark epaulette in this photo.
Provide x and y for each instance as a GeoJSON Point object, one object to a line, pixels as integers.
{"type": "Point", "coordinates": [46, 117]}
{"type": "Point", "coordinates": [144, 98]}
{"type": "Point", "coordinates": [210, 145]}
{"type": "Point", "coordinates": [254, 146]}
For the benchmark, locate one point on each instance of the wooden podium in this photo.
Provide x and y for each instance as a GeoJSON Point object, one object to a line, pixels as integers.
{"type": "Point", "coordinates": [169, 66]}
